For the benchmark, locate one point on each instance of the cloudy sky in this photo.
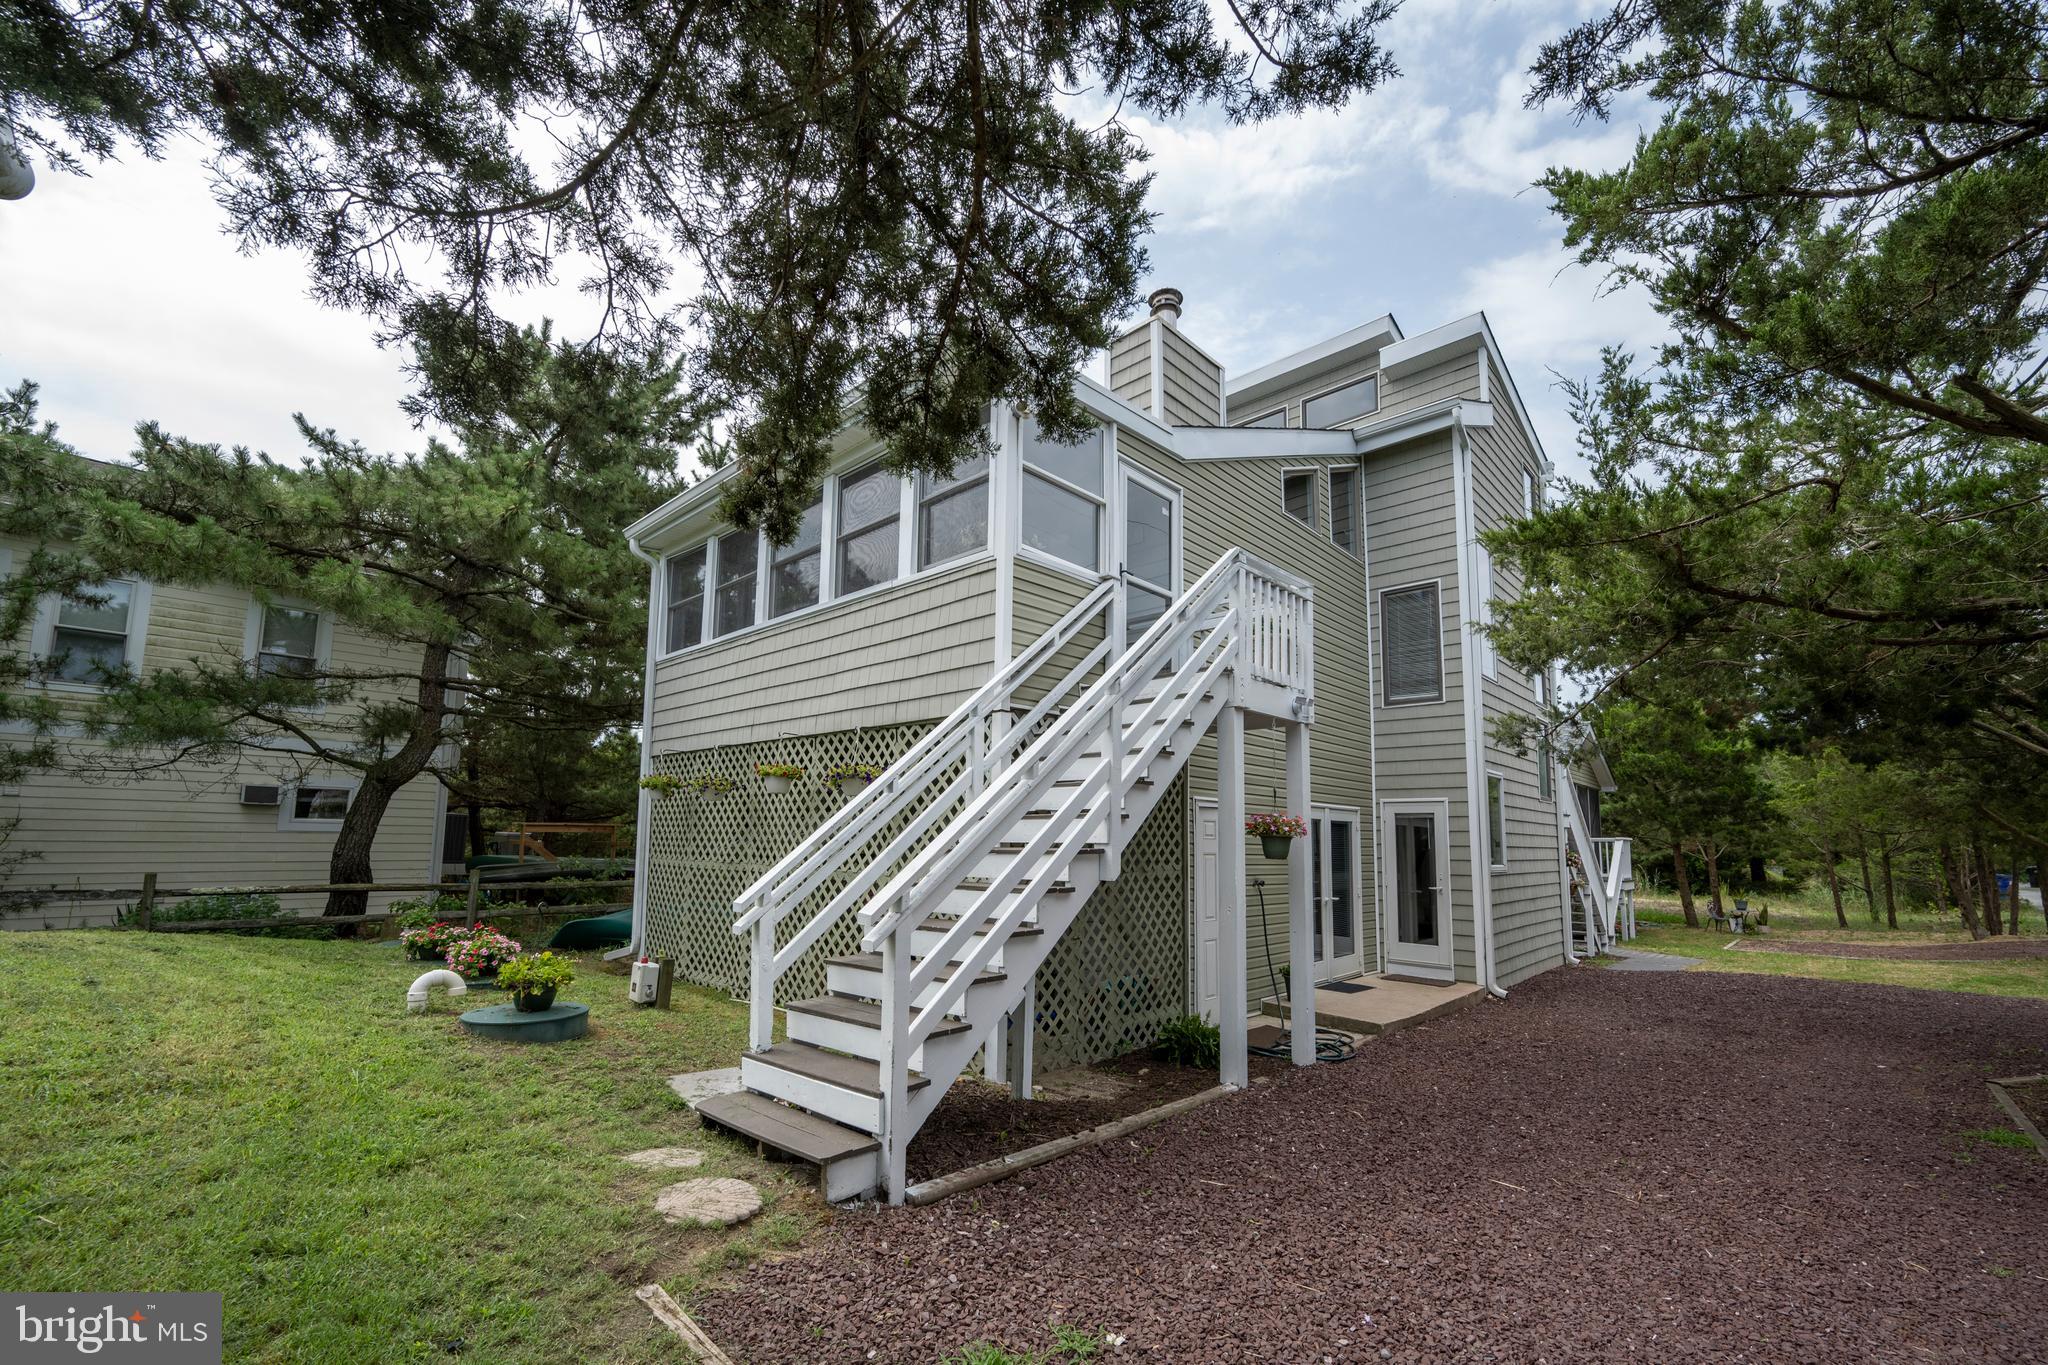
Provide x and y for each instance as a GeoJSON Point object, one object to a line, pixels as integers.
{"type": "Point", "coordinates": [125, 301]}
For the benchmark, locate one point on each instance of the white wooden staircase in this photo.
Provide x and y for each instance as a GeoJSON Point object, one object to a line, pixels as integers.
{"type": "Point", "coordinates": [1604, 885]}
{"type": "Point", "coordinates": [973, 853]}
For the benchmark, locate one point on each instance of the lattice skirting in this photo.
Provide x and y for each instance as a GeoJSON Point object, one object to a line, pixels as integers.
{"type": "Point", "coordinates": [1118, 973]}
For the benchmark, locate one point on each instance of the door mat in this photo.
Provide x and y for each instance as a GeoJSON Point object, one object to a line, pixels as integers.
{"type": "Point", "coordinates": [1346, 987]}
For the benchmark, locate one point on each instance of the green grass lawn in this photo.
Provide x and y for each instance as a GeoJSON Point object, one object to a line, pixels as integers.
{"type": "Point", "coordinates": [262, 1118]}
{"type": "Point", "coordinates": [1810, 917]}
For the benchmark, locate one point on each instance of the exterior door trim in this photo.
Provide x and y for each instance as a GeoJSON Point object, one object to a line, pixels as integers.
{"type": "Point", "coordinates": [1439, 963]}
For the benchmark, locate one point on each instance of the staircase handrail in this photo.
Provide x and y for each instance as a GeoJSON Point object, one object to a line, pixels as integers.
{"type": "Point", "coordinates": [888, 910]}
{"type": "Point", "coordinates": [807, 866]}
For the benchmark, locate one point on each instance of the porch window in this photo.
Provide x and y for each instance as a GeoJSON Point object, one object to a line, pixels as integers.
{"type": "Point", "coordinates": [1298, 496]}
{"type": "Point", "coordinates": [870, 514]}
{"type": "Point", "coordinates": [735, 572]}
{"type": "Point", "coordinates": [1496, 820]}
{"type": "Point", "coordinates": [685, 598]}
{"type": "Point", "coordinates": [794, 569]}
{"type": "Point", "coordinates": [1342, 404]}
{"type": "Point", "coordinates": [90, 643]}
{"type": "Point", "coordinates": [1344, 509]}
{"type": "Point", "coordinates": [952, 513]}
{"type": "Point", "coordinates": [289, 642]}
{"type": "Point", "coordinates": [1411, 644]}
{"type": "Point", "coordinates": [1063, 496]}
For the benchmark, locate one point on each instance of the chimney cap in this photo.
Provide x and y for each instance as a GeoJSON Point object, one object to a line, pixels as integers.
{"type": "Point", "coordinates": [1165, 304]}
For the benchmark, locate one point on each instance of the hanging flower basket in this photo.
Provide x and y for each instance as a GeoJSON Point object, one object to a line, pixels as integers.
{"type": "Point", "coordinates": [706, 785]}
{"type": "Point", "coordinates": [852, 778]}
{"type": "Point", "coordinates": [777, 778]}
{"type": "Point", "coordinates": [1276, 832]}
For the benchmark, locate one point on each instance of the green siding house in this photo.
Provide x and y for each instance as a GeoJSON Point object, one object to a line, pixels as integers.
{"type": "Point", "coordinates": [1078, 668]}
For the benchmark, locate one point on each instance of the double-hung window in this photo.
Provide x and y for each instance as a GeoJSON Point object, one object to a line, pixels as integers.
{"type": "Point", "coordinates": [1342, 404]}
{"type": "Point", "coordinates": [288, 641]}
{"type": "Point", "coordinates": [735, 571]}
{"type": "Point", "coordinates": [1063, 496]}
{"type": "Point", "coordinates": [794, 570]}
{"type": "Point", "coordinates": [1411, 644]}
{"type": "Point", "coordinates": [870, 516]}
{"type": "Point", "coordinates": [1344, 509]}
{"type": "Point", "coordinates": [684, 594]}
{"type": "Point", "coordinates": [89, 643]}
{"type": "Point", "coordinates": [952, 513]}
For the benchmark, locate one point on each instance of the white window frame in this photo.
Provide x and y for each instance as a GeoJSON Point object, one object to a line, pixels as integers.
{"type": "Point", "coordinates": [289, 792]}
{"type": "Point", "coordinates": [770, 556]}
{"type": "Point", "coordinates": [1105, 534]}
{"type": "Point", "coordinates": [920, 503]}
{"type": "Point", "coordinates": [252, 630]}
{"type": "Point", "coordinates": [43, 635]}
{"type": "Point", "coordinates": [1496, 817]}
{"type": "Point", "coordinates": [1254, 422]}
{"type": "Point", "coordinates": [1386, 697]}
{"type": "Point", "coordinates": [1357, 477]}
{"type": "Point", "coordinates": [1377, 386]}
{"type": "Point", "coordinates": [1313, 473]}
{"type": "Point", "coordinates": [829, 594]}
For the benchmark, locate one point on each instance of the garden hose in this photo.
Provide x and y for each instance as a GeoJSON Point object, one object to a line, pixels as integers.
{"type": "Point", "coordinates": [1331, 1045]}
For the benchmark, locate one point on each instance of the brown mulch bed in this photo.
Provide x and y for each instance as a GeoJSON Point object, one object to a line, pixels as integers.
{"type": "Point", "coordinates": [2032, 1098]}
{"type": "Point", "coordinates": [1595, 1169]}
{"type": "Point", "coordinates": [977, 1121]}
{"type": "Point", "coordinates": [1983, 950]}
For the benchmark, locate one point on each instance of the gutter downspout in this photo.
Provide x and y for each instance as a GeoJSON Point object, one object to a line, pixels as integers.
{"type": "Point", "coordinates": [643, 833]}
{"type": "Point", "coordinates": [1476, 808]}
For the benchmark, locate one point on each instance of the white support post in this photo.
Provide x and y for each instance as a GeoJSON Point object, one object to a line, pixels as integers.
{"type": "Point", "coordinates": [895, 1068]}
{"type": "Point", "coordinates": [1301, 908]}
{"type": "Point", "coordinates": [761, 991]}
{"type": "Point", "coordinates": [1232, 987]}
{"type": "Point", "coordinates": [1019, 1029]}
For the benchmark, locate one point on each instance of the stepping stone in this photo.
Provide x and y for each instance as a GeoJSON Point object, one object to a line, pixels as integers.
{"type": "Point", "coordinates": [711, 1201]}
{"type": "Point", "coordinates": [666, 1158]}
{"type": "Point", "coordinates": [1637, 960]}
{"type": "Point", "coordinates": [702, 1085]}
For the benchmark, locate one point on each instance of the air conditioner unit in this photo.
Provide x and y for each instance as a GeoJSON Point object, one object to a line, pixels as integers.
{"type": "Point", "coordinates": [262, 796]}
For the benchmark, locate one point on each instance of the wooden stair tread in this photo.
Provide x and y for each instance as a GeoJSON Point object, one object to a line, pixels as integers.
{"type": "Point", "coordinates": [1056, 888]}
{"type": "Point", "coordinates": [785, 1129]}
{"type": "Point", "coordinates": [862, 1013]}
{"type": "Point", "coordinates": [872, 962]}
{"type": "Point", "coordinates": [857, 1074]}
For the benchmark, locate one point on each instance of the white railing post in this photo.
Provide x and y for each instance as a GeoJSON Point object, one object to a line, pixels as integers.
{"type": "Point", "coordinates": [761, 993]}
{"type": "Point", "coordinates": [895, 1066]}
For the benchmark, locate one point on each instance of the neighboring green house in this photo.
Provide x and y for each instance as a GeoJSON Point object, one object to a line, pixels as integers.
{"type": "Point", "coordinates": [1298, 541]}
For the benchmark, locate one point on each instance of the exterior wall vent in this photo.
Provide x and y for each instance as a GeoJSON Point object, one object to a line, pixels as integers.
{"type": "Point", "coordinates": [262, 796]}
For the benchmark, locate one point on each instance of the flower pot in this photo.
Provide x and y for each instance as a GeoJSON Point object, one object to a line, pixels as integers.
{"type": "Point", "coordinates": [533, 1002]}
{"type": "Point", "coordinates": [850, 787]}
{"type": "Point", "coordinates": [1276, 845]}
{"type": "Point", "coordinates": [776, 786]}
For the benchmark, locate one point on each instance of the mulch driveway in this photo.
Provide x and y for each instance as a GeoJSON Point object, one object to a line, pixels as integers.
{"type": "Point", "coordinates": [1650, 1168]}
{"type": "Point", "coordinates": [1983, 950]}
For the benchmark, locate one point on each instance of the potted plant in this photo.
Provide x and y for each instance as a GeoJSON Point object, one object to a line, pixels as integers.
{"type": "Point", "coordinates": [428, 942]}
{"type": "Point", "coordinates": [662, 784]}
{"type": "Point", "coordinates": [711, 784]}
{"type": "Point", "coordinates": [777, 778]}
{"type": "Point", "coordinates": [534, 980]}
{"type": "Point", "coordinates": [852, 778]}
{"type": "Point", "coordinates": [1276, 831]}
{"type": "Point", "coordinates": [481, 952]}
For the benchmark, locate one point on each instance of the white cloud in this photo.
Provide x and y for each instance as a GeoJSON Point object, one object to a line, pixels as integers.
{"type": "Point", "coordinates": [1552, 316]}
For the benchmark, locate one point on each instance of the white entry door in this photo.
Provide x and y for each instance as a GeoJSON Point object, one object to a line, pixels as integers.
{"type": "Point", "coordinates": [1415, 888]}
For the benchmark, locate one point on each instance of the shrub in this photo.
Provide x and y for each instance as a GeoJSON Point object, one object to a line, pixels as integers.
{"type": "Point", "coordinates": [1187, 1041]}
{"type": "Point", "coordinates": [422, 911]}
{"type": "Point", "coordinates": [536, 973]}
{"type": "Point", "coordinates": [231, 905]}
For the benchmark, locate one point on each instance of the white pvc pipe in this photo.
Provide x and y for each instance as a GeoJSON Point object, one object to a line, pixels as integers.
{"type": "Point", "coordinates": [416, 996]}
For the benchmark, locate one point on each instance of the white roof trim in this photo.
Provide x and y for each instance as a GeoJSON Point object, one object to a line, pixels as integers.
{"type": "Point", "coordinates": [1260, 443]}
{"type": "Point", "coordinates": [1469, 333]}
{"type": "Point", "coordinates": [1373, 336]}
{"type": "Point", "coordinates": [1438, 416]}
